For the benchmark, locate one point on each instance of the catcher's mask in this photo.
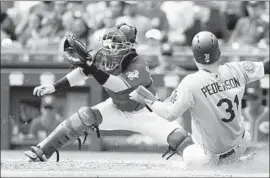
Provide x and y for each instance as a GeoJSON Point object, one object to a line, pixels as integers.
{"type": "Point", "coordinates": [116, 43]}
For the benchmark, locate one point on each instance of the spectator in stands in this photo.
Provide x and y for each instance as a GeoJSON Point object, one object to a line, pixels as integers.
{"type": "Point", "coordinates": [80, 28]}
{"type": "Point", "coordinates": [216, 23]}
{"type": "Point", "coordinates": [197, 26]}
{"type": "Point", "coordinates": [95, 13]}
{"type": "Point", "coordinates": [42, 27]}
{"type": "Point", "coordinates": [7, 33]}
{"type": "Point", "coordinates": [215, 20]}
{"type": "Point", "coordinates": [49, 119]}
{"type": "Point", "coordinates": [233, 12]}
{"type": "Point", "coordinates": [180, 17]}
{"type": "Point", "coordinates": [167, 64]}
{"type": "Point", "coordinates": [157, 15]}
{"type": "Point", "coordinates": [143, 24]}
{"type": "Point", "coordinates": [109, 22]}
{"type": "Point", "coordinates": [27, 110]}
{"type": "Point", "coordinates": [74, 23]}
{"type": "Point", "coordinates": [165, 59]}
{"type": "Point", "coordinates": [60, 9]}
{"type": "Point", "coordinates": [76, 6]}
{"type": "Point", "coordinates": [66, 19]}
{"type": "Point", "coordinates": [7, 25]}
{"type": "Point", "coordinates": [253, 29]}
{"type": "Point", "coordinates": [115, 9]}
{"type": "Point", "coordinates": [45, 9]}
{"type": "Point", "coordinates": [267, 6]}
{"type": "Point", "coordinates": [13, 11]}
{"type": "Point", "coordinates": [256, 115]}
{"type": "Point", "coordinates": [32, 31]}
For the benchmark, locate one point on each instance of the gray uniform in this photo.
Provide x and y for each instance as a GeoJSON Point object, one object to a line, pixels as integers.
{"type": "Point", "coordinates": [214, 101]}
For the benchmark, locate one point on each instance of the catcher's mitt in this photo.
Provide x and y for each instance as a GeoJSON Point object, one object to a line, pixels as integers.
{"type": "Point", "coordinates": [75, 52]}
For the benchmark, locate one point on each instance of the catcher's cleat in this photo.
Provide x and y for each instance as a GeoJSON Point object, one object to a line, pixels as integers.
{"type": "Point", "coordinates": [95, 128]}
{"type": "Point", "coordinates": [80, 144]}
{"type": "Point", "coordinates": [169, 150]}
{"type": "Point", "coordinates": [85, 136]}
{"type": "Point", "coordinates": [178, 140]}
{"type": "Point", "coordinates": [35, 154]}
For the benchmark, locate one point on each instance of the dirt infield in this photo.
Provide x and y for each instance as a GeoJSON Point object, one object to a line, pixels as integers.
{"type": "Point", "coordinates": [115, 164]}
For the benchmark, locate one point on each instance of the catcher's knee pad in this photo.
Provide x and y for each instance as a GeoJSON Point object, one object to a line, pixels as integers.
{"type": "Point", "coordinates": [84, 119]}
{"type": "Point", "coordinates": [178, 140]}
{"type": "Point", "coordinates": [90, 116]}
{"type": "Point", "coordinates": [69, 130]}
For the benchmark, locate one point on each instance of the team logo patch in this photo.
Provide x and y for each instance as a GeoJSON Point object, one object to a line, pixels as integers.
{"type": "Point", "coordinates": [249, 66]}
{"type": "Point", "coordinates": [133, 74]}
{"type": "Point", "coordinates": [173, 97]}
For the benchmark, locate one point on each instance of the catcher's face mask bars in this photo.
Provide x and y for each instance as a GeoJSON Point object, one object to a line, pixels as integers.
{"type": "Point", "coordinates": [115, 45]}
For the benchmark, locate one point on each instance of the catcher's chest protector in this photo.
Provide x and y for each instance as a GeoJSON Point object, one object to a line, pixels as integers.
{"type": "Point", "coordinates": [135, 74]}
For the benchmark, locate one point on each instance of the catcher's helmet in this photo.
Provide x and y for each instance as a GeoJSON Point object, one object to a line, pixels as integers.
{"type": "Point", "coordinates": [116, 43]}
{"type": "Point", "coordinates": [205, 48]}
{"type": "Point", "coordinates": [119, 38]}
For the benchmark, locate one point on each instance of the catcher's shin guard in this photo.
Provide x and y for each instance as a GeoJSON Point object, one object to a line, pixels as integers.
{"type": "Point", "coordinates": [67, 132]}
{"type": "Point", "coordinates": [178, 140]}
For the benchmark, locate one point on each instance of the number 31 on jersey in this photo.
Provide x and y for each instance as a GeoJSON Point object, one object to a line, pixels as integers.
{"type": "Point", "coordinates": [230, 107]}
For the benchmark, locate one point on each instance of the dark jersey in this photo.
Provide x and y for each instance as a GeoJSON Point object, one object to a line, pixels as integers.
{"type": "Point", "coordinates": [137, 73]}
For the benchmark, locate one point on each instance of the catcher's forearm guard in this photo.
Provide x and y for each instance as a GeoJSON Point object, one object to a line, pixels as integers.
{"type": "Point", "coordinates": [61, 84]}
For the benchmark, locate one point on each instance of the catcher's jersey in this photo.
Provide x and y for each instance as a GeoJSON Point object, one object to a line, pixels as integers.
{"type": "Point", "coordinates": [214, 102]}
{"type": "Point", "coordinates": [137, 73]}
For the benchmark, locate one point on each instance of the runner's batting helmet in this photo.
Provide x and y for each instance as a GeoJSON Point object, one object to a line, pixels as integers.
{"type": "Point", "coordinates": [205, 48]}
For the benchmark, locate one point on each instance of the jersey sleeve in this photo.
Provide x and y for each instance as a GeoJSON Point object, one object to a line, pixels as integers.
{"type": "Point", "coordinates": [135, 75]}
{"type": "Point", "coordinates": [249, 71]}
{"type": "Point", "coordinates": [180, 100]}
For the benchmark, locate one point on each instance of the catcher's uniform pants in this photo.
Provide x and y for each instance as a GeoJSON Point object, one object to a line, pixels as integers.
{"type": "Point", "coordinates": [203, 158]}
{"type": "Point", "coordinates": [142, 121]}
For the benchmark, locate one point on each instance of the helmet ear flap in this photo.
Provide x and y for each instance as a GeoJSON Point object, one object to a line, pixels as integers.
{"type": "Point", "coordinates": [135, 31]}
{"type": "Point", "coordinates": [133, 40]}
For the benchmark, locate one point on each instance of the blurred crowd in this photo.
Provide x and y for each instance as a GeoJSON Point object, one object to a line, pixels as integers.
{"type": "Point", "coordinates": [161, 25]}
{"type": "Point", "coordinates": [44, 24]}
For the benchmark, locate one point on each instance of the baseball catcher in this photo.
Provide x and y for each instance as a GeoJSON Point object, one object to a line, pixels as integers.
{"type": "Point", "coordinates": [118, 68]}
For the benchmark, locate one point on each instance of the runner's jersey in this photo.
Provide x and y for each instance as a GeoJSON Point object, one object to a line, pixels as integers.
{"type": "Point", "coordinates": [214, 101]}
